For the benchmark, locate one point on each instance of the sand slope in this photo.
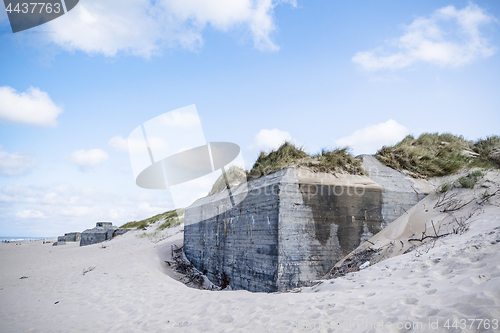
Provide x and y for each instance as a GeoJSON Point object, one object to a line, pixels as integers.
{"type": "Point", "coordinates": [129, 290]}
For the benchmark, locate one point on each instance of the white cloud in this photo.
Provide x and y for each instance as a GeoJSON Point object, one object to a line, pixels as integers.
{"type": "Point", "coordinates": [270, 139]}
{"type": "Point", "coordinates": [118, 214]}
{"type": "Point", "coordinates": [150, 210]}
{"type": "Point", "coordinates": [145, 27]}
{"type": "Point", "coordinates": [57, 195]}
{"type": "Point", "coordinates": [16, 164]}
{"type": "Point", "coordinates": [30, 214]}
{"type": "Point", "coordinates": [449, 37]}
{"type": "Point", "coordinates": [18, 190]}
{"type": "Point", "coordinates": [76, 211]}
{"type": "Point", "coordinates": [33, 107]}
{"type": "Point", "coordinates": [371, 138]}
{"type": "Point", "coordinates": [121, 144]}
{"type": "Point", "coordinates": [88, 158]}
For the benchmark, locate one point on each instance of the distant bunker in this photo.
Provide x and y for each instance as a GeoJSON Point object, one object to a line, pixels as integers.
{"type": "Point", "coordinates": [103, 231]}
{"type": "Point", "coordinates": [293, 226]}
{"type": "Point", "coordinates": [70, 237]}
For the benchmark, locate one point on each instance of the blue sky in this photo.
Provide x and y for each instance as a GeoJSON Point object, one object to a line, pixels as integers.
{"type": "Point", "coordinates": [321, 73]}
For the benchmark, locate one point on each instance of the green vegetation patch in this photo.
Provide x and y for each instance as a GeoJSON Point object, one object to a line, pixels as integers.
{"type": "Point", "coordinates": [288, 155]}
{"type": "Point", "coordinates": [468, 181]}
{"type": "Point", "coordinates": [171, 218]}
{"type": "Point", "coordinates": [489, 151]}
{"type": "Point", "coordinates": [173, 221]}
{"type": "Point", "coordinates": [471, 179]}
{"type": "Point", "coordinates": [430, 155]}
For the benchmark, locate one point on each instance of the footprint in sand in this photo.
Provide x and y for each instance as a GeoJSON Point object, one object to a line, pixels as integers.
{"type": "Point", "coordinates": [431, 291]}
{"type": "Point", "coordinates": [424, 311]}
{"type": "Point", "coordinates": [314, 316]}
{"type": "Point", "coordinates": [478, 265]}
{"type": "Point", "coordinates": [467, 310]}
{"type": "Point", "coordinates": [422, 268]}
{"type": "Point", "coordinates": [482, 302]}
{"type": "Point", "coordinates": [409, 301]}
{"type": "Point", "coordinates": [355, 302]}
{"type": "Point", "coordinates": [493, 293]}
{"type": "Point", "coordinates": [226, 319]}
{"type": "Point", "coordinates": [426, 292]}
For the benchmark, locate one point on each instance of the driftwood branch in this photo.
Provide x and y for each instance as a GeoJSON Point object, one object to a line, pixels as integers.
{"type": "Point", "coordinates": [424, 236]}
{"type": "Point", "coordinates": [456, 205]}
{"type": "Point", "coordinates": [449, 202]}
{"type": "Point", "coordinates": [429, 236]}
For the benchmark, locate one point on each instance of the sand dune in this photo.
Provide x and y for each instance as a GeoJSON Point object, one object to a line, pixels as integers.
{"type": "Point", "coordinates": [130, 289]}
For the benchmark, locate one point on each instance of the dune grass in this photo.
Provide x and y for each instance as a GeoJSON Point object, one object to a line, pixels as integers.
{"type": "Point", "coordinates": [430, 155]}
{"type": "Point", "coordinates": [337, 160]}
{"type": "Point", "coordinates": [285, 156]}
{"type": "Point", "coordinates": [471, 179]}
{"type": "Point", "coordinates": [289, 155]}
{"type": "Point", "coordinates": [435, 155]}
{"type": "Point", "coordinates": [489, 150]}
{"type": "Point", "coordinates": [468, 181]}
{"type": "Point", "coordinates": [171, 219]}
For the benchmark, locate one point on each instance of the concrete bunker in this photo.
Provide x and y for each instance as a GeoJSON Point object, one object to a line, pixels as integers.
{"type": "Point", "coordinates": [103, 231]}
{"type": "Point", "coordinates": [70, 237]}
{"type": "Point", "coordinates": [293, 226]}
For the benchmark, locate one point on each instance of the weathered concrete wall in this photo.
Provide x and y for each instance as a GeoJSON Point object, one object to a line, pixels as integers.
{"type": "Point", "coordinates": [240, 246]}
{"type": "Point", "coordinates": [100, 234]}
{"type": "Point", "coordinates": [104, 224]}
{"type": "Point", "coordinates": [70, 237]}
{"type": "Point", "coordinates": [400, 193]}
{"type": "Point", "coordinates": [119, 232]}
{"type": "Point", "coordinates": [96, 235]}
{"type": "Point", "coordinates": [290, 229]}
{"type": "Point", "coordinates": [321, 223]}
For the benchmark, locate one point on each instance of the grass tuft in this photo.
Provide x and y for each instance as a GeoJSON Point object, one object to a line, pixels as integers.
{"type": "Point", "coordinates": [288, 155]}
{"type": "Point", "coordinates": [285, 156]}
{"type": "Point", "coordinates": [171, 218]}
{"type": "Point", "coordinates": [445, 188]}
{"type": "Point", "coordinates": [173, 221]}
{"type": "Point", "coordinates": [471, 179]}
{"type": "Point", "coordinates": [430, 155]}
{"type": "Point", "coordinates": [468, 181]}
{"type": "Point", "coordinates": [489, 151]}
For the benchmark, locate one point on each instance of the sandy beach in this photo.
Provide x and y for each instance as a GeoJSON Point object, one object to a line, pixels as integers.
{"type": "Point", "coordinates": [124, 285]}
